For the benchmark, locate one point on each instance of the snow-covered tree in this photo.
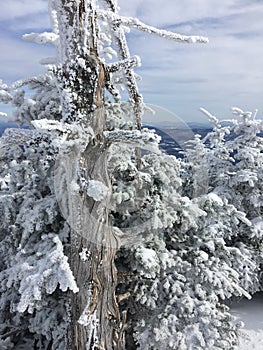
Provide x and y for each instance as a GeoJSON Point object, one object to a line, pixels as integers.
{"type": "Point", "coordinates": [100, 247]}
{"type": "Point", "coordinates": [230, 159]}
{"type": "Point", "coordinates": [35, 272]}
{"type": "Point", "coordinates": [176, 282]}
{"type": "Point", "coordinates": [61, 185]}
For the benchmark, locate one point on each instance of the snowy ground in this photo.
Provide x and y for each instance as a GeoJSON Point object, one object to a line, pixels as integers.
{"type": "Point", "coordinates": [250, 312]}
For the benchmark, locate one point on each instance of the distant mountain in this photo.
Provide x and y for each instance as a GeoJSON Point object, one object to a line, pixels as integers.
{"type": "Point", "coordinates": [174, 139]}
{"type": "Point", "coordinates": [196, 125]}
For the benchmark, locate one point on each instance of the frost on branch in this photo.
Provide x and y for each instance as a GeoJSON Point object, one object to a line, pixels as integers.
{"type": "Point", "coordinates": [183, 275]}
{"type": "Point", "coordinates": [42, 38]}
{"type": "Point", "coordinates": [136, 24]}
{"type": "Point", "coordinates": [73, 117]}
{"type": "Point", "coordinates": [40, 273]}
{"type": "Point", "coordinates": [146, 139]}
{"type": "Point", "coordinates": [232, 153]}
{"type": "Point", "coordinates": [34, 267]}
{"type": "Point", "coordinates": [43, 103]}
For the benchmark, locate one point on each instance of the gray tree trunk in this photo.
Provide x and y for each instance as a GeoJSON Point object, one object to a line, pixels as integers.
{"type": "Point", "coordinates": [91, 230]}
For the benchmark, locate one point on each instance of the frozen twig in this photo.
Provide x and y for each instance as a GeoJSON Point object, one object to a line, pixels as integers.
{"type": "Point", "coordinates": [135, 23]}
{"type": "Point", "coordinates": [124, 64]}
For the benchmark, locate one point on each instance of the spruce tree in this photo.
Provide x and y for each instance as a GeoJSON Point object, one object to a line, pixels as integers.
{"type": "Point", "coordinates": [230, 157]}
{"type": "Point", "coordinates": [62, 223]}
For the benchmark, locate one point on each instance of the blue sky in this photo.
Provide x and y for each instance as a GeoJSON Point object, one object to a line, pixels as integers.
{"type": "Point", "coordinates": [180, 77]}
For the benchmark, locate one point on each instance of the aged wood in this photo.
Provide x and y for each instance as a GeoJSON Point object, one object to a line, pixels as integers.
{"type": "Point", "coordinates": [95, 321]}
{"type": "Point", "coordinates": [97, 274]}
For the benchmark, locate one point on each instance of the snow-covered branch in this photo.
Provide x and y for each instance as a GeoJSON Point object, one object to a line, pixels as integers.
{"type": "Point", "coordinates": [124, 54]}
{"type": "Point", "coordinates": [213, 119]}
{"type": "Point", "coordinates": [129, 63]}
{"type": "Point", "coordinates": [135, 23]}
{"type": "Point", "coordinates": [5, 96]}
{"type": "Point", "coordinates": [42, 38]}
{"type": "Point", "coordinates": [144, 139]}
{"type": "Point", "coordinates": [33, 82]}
{"type": "Point", "coordinates": [135, 135]}
{"type": "Point", "coordinates": [15, 136]}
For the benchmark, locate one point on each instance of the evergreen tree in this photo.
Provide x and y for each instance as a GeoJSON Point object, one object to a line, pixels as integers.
{"type": "Point", "coordinates": [231, 159]}
{"type": "Point", "coordinates": [101, 246]}
{"type": "Point", "coordinates": [62, 226]}
{"type": "Point", "coordinates": [176, 282]}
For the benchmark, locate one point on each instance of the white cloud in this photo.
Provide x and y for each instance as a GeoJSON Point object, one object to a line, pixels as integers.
{"type": "Point", "coordinates": [13, 9]}
{"type": "Point", "coordinates": [20, 60]}
{"type": "Point", "coordinates": [228, 71]}
{"type": "Point", "coordinates": [177, 11]}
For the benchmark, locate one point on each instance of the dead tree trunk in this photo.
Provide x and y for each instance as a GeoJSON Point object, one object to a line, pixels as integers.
{"type": "Point", "coordinates": [95, 320]}
{"type": "Point", "coordinates": [94, 312]}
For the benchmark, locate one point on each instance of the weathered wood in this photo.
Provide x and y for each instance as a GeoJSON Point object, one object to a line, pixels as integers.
{"type": "Point", "coordinates": [121, 43]}
{"type": "Point", "coordinates": [91, 232]}
{"type": "Point", "coordinates": [95, 305]}
{"type": "Point", "coordinates": [94, 234]}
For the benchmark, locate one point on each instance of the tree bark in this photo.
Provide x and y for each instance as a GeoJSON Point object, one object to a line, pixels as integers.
{"type": "Point", "coordinates": [96, 276]}
{"type": "Point", "coordinates": [95, 321]}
